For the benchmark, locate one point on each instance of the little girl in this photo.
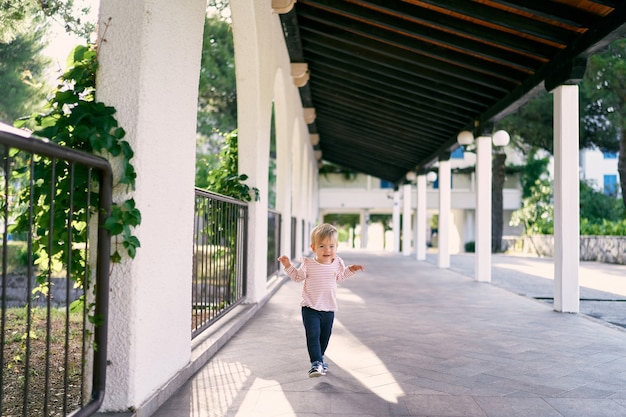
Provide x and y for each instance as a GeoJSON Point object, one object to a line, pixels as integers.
{"type": "Point", "coordinates": [319, 293]}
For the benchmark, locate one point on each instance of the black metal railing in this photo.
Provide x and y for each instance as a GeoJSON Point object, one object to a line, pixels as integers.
{"type": "Point", "coordinates": [219, 260]}
{"type": "Point", "coordinates": [54, 323]}
{"type": "Point", "coordinates": [274, 220]}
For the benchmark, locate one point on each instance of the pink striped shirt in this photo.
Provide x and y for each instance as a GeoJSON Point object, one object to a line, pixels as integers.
{"type": "Point", "coordinates": [320, 282]}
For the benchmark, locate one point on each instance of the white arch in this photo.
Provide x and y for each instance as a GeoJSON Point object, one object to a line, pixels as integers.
{"type": "Point", "coordinates": [262, 66]}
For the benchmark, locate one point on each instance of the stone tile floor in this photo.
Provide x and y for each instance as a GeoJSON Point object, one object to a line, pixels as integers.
{"type": "Point", "coordinates": [414, 340]}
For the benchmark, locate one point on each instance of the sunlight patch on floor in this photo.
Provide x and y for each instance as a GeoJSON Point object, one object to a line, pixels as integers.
{"type": "Point", "coordinates": [546, 271]}
{"type": "Point", "coordinates": [344, 294]}
{"type": "Point", "coordinates": [587, 277]}
{"type": "Point", "coordinates": [224, 386]}
{"type": "Point", "coordinates": [257, 401]}
{"type": "Point", "coordinates": [363, 364]}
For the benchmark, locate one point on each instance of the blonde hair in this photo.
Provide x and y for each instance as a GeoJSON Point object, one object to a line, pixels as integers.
{"type": "Point", "coordinates": [323, 231]}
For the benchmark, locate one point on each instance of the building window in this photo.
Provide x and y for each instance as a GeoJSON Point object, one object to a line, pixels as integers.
{"type": "Point", "coordinates": [609, 155]}
{"type": "Point", "coordinates": [610, 185]}
{"type": "Point", "coordinates": [458, 153]}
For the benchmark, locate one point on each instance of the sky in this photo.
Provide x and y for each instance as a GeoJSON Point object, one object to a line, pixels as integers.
{"type": "Point", "coordinates": [61, 42]}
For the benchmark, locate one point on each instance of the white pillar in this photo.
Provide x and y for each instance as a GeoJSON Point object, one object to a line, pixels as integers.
{"type": "Point", "coordinates": [298, 194]}
{"type": "Point", "coordinates": [566, 200]}
{"type": "Point", "coordinates": [160, 124]}
{"type": "Point", "coordinates": [365, 223]}
{"type": "Point", "coordinates": [420, 219]}
{"type": "Point", "coordinates": [482, 262]}
{"type": "Point", "coordinates": [315, 190]}
{"type": "Point", "coordinates": [395, 221]}
{"type": "Point", "coordinates": [406, 220]}
{"type": "Point", "coordinates": [253, 95]}
{"type": "Point", "coordinates": [287, 132]}
{"type": "Point", "coordinates": [443, 233]}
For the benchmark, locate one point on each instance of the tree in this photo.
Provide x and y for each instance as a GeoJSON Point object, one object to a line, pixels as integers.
{"type": "Point", "coordinates": [225, 179]}
{"type": "Point", "coordinates": [537, 211]}
{"type": "Point", "coordinates": [341, 220]}
{"type": "Point", "coordinates": [22, 67]}
{"type": "Point", "coordinates": [603, 111]}
{"type": "Point", "coordinates": [497, 204]}
{"type": "Point", "coordinates": [605, 86]}
{"type": "Point", "coordinates": [24, 26]}
{"type": "Point", "coordinates": [530, 126]}
{"type": "Point", "coordinates": [17, 16]}
{"type": "Point", "coordinates": [535, 168]}
{"type": "Point", "coordinates": [217, 94]}
{"type": "Point", "coordinates": [596, 207]}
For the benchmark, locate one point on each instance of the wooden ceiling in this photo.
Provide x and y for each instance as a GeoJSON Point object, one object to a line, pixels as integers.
{"type": "Point", "coordinates": [393, 82]}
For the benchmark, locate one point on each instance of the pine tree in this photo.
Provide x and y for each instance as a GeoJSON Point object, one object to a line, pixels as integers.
{"type": "Point", "coordinates": [22, 69]}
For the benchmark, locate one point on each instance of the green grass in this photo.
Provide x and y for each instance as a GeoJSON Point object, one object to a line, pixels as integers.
{"type": "Point", "coordinates": [40, 358]}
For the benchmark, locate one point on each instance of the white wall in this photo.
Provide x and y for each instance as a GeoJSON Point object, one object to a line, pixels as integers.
{"type": "Point", "coordinates": [380, 200]}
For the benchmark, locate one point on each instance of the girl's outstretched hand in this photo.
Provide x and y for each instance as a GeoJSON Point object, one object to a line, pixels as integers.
{"type": "Point", "coordinates": [284, 260]}
{"type": "Point", "coordinates": [355, 268]}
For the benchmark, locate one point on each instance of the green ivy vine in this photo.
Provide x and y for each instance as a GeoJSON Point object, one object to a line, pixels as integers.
{"type": "Point", "coordinates": [73, 118]}
{"type": "Point", "coordinates": [225, 179]}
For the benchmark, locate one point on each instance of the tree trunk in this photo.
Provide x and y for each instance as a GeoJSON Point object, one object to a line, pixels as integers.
{"type": "Point", "coordinates": [497, 217]}
{"type": "Point", "coordinates": [621, 165]}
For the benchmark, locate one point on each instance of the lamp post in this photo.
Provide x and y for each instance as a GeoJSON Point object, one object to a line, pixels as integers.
{"type": "Point", "coordinates": [500, 139]}
{"type": "Point", "coordinates": [488, 199]}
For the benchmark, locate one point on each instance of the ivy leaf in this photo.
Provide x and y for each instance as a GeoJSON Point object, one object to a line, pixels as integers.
{"type": "Point", "coordinates": [113, 225]}
{"type": "Point", "coordinates": [75, 119]}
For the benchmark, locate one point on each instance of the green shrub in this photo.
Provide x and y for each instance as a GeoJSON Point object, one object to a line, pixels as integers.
{"type": "Point", "coordinates": [605, 228]}
{"type": "Point", "coordinates": [470, 246]}
{"type": "Point", "coordinates": [17, 257]}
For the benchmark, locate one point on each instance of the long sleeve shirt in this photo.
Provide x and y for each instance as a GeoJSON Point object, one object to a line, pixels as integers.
{"type": "Point", "coordinates": [320, 282]}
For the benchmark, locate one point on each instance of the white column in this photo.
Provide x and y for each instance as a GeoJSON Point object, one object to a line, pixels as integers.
{"type": "Point", "coordinates": [312, 192]}
{"type": "Point", "coordinates": [365, 223]}
{"type": "Point", "coordinates": [444, 214]}
{"type": "Point", "coordinates": [420, 219]}
{"type": "Point", "coordinates": [253, 124]}
{"type": "Point", "coordinates": [286, 134]}
{"type": "Point", "coordinates": [482, 262]}
{"type": "Point", "coordinates": [160, 124]}
{"type": "Point", "coordinates": [298, 194]}
{"type": "Point", "coordinates": [566, 200]}
{"type": "Point", "coordinates": [406, 220]}
{"type": "Point", "coordinates": [395, 221]}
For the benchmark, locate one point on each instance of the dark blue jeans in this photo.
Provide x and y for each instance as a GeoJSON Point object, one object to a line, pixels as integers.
{"type": "Point", "coordinates": [318, 326]}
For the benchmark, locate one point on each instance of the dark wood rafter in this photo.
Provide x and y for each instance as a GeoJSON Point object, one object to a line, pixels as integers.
{"type": "Point", "coordinates": [393, 82]}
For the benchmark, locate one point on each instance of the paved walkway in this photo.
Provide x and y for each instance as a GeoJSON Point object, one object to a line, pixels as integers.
{"type": "Point", "coordinates": [414, 340]}
{"type": "Point", "coordinates": [602, 286]}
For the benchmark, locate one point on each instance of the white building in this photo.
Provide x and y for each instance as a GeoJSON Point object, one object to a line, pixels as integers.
{"type": "Point", "coordinates": [600, 170]}
{"type": "Point", "coordinates": [367, 195]}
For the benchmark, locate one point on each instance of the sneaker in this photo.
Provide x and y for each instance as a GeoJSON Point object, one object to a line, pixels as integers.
{"type": "Point", "coordinates": [324, 368]}
{"type": "Point", "coordinates": [316, 370]}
